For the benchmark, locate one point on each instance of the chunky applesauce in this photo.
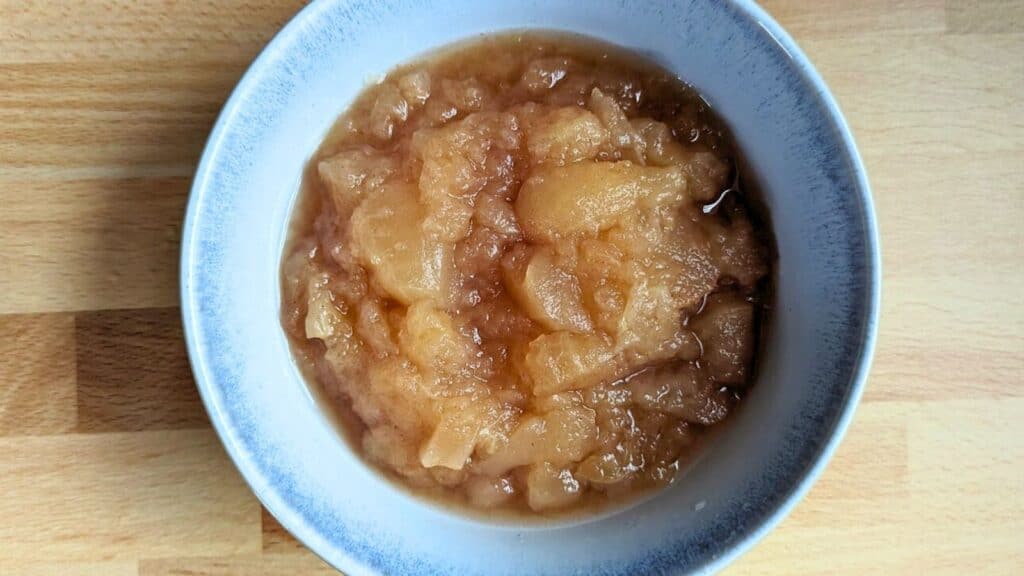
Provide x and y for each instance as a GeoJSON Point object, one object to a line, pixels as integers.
{"type": "Point", "coordinates": [525, 274]}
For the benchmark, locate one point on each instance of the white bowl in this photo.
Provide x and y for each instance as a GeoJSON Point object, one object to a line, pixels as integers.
{"type": "Point", "coordinates": [815, 360]}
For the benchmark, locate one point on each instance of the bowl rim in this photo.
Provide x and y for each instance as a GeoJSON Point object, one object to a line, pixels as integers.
{"type": "Point", "coordinates": [292, 519]}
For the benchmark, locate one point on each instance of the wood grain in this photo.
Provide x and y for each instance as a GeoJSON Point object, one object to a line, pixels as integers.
{"type": "Point", "coordinates": [133, 372]}
{"type": "Point", "coordinates": [107, 462]}
{"type": "Point", "coordinates": [58, 568]}
{"type": "Point", "coordinates": [123, 496]}
{"type": "Point", "coordinates": [37, 374]}
{"type": "Point", "coordinates": [305, 564]}
{"type": "Point", "coordinates": [985, 16]}
{"type": "Point", "coordinates": [276, 539]}
{"type": "Point", "coordinates": [956, 509]}
{"type": "Point", "coordinates": [832, 18]}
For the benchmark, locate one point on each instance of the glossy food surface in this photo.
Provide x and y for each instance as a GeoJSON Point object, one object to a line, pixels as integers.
{"type": "Point", "coordinates": [524, 274]}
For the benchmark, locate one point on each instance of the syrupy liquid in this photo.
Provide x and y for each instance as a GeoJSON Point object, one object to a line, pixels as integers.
{"type": "Point", "coordinates": [525, 275]}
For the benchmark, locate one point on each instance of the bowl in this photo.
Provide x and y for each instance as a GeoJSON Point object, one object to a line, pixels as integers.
{"type": "Point", "coordinates": [814, 363]}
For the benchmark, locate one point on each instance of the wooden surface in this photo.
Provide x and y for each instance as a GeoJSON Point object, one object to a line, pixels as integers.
{"type": "Point", "coordinates": [108, 465]}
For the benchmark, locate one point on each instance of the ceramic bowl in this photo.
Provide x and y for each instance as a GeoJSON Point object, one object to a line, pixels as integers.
{"type": "Point", "coordinates": [815, 360]}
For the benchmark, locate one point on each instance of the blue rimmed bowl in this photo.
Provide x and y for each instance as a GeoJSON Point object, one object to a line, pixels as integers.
{"type": "Point", "coordinates": [815, 360]}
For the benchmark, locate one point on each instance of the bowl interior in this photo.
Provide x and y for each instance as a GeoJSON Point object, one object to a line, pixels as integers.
{"type": "Point", "coordinates": [815, 358]}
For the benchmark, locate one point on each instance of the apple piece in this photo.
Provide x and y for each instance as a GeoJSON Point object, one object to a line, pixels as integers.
{"type": "Point", "coordinates": [562, 361]}
{"type": "Point", "coordinates": [430, 339]}
{"type": "Point", "coordinates": [726, 329]}
{"type": "Point", "coordinates": [566, 135]}
{"type": "Point", "coordinates": [549, 487]}
{"type": "Point", "coordinates": [585, 198]}
{"type": "Point", "coordinates": [387, 237]}
{"type": "Point", "coordinates": [548, 293]}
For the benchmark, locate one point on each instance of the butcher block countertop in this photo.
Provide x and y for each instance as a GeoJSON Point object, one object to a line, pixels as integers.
{"type": "Point", "coordinates": [109, 465]}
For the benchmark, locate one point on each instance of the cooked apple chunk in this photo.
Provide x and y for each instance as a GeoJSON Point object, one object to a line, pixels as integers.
{"type": "Point", "coordinates": [387, 236]}
{"type": "Point", "coordinates": [583, 199]}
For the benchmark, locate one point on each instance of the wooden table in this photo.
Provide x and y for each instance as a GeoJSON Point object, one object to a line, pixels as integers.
{"type": "Point", "coordinates": [108, 464]}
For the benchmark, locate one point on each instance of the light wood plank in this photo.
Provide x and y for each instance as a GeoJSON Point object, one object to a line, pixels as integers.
{"type": "Point", "coordinates": [90, 244]}
{"type": "Point", "coordinates": [123, 496]}
{"type": "Point", "coordinates": [37, 375]}
{"type": "Point", "coordinates": [304, 563]}
{"type": "Point", "coordinates": [56, 568]}
{"type": "Point", "coordinates": [133, 372]}
{"type": "Point", "coordinates": [119, 119]}
{"type": "Point", "coordinates": [842, 18]}
{"type": "Point", "coordinates": [960, 455]}
{"type": "Point", "coordinates": [943, 522]}
{"type": "Point", "coordinates": [881, 549]}
{"type": "Point", "coordinates": [989, 16]}
{"type": "Point", "coordinates": [43, 31]}
{"type": "Point", "coordinates": [928, 94]}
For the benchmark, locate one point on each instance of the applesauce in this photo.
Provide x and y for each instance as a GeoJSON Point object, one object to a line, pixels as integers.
{"type": "Point", "coordinates": [526, 275]}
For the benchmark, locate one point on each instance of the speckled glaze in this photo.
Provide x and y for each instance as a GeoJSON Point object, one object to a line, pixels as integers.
{"type": "Point", "coordinates": [816, 358]}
